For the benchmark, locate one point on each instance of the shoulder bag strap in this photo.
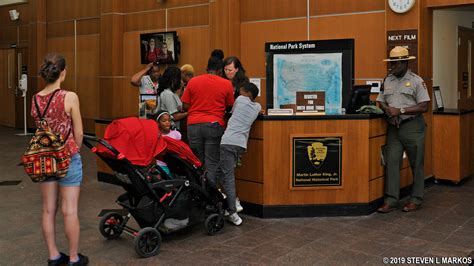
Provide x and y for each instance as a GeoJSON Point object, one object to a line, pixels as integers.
{"type": "Point", "coordinates": [41, 116]}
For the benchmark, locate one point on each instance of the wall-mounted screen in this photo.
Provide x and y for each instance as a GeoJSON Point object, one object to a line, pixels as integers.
{"type": "Point", "coordinates": [161, 47]}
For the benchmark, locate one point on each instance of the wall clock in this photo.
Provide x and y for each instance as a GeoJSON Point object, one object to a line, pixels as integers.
{"type": "Point", "coordinates": [401, 6]}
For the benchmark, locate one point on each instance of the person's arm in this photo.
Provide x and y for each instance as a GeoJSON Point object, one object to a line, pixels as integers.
{"type": "Point", "coordinates": [179, 115]}
{"type": "Point", "coordinates": [72, 104]}
{"type": "Point", "coordinates": [185, 107]}
{"type": "Point", "coordinates": [137, 78]}
{"type": "Point", "coordinates": [229, 101]}
{"type": "Point", "coordinates": [412, 110]}
{"type": "Point", "coordinates": [186, 98]}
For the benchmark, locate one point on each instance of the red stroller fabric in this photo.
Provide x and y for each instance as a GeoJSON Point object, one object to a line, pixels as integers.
{"type": "Point", "coordinates": [137, 139]}
{"type": "Point", "coordinates": [182, 150]}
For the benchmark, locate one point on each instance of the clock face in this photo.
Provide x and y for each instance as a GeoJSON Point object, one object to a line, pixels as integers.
{"type": "Point", "coordinates": [401, 6]}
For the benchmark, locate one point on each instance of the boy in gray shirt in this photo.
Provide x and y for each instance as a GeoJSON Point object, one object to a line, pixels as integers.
{"type": "Point", "coordinates": [234, 142]}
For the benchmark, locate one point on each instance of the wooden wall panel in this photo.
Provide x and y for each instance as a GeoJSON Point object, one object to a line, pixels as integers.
{"type": "Point", "coordinates": [256, 131]}
{"type": "Point", "coordinates": [65, 47]}
{"type": "Point", "coordinates": [110, 6]}
{"type": "Point", "coordinates": [376, 188]}
{"type": "Point", "coordinates": [376, 169]}
{"type": "Point", "coordinates": [446, 3]}
{"type": "Point", "coordinates": [277, 169]}
{"type": "Point", "coordinates": [466, 138]}
{"type": "Point", "coordinates": [377, 127]}
{"type": "Point", "coordinates": [88, 56]}
{"type": "Point", "coordinates": [195, 47]}
{"type": "Point", "coordinates": [111, 97]}
{"type": "Point", "coordinates": [24, 33]}
{"type": "Point", "coordinates": [255, 35]}
{"type": "Point", "coordinates": [58, 10]}
{"type": "Point", "coordinates": [405, 21]}
{"type": "Point", "coordinates": [111, 45]}
{"type": "Point", "coordinates": [88, 26]}
{"type": "Point", "coordinates": [130, 96]}
{"type": "Point", "coordinates": [7, 96]}
{"type": "Point", "coordinates": [86, 8]}
{"type": "Point", "coordinates": [252, 10]}
{"type": "Point", "coordinates": [8, 35]}
{"type": "Point", "coordinates": [88, 93]}
{"type": "Point", "coordinates": [249, 191]}
{"type": "Point", "coordinates": [186, 17]}
{"type": "Point", "coordinates": [369, 40]}
{"type": "Point", "coordinates": [60, 29]}
{"type": "Point", "coordinates": [88, 77]}
{"type": "Point", "coordinates": [225, 24]}
{"type": "Point", "coordinates": [131, 53]}
{"type": "Point", "coordinates": [253, 161]}
{"type": "Point", "coordinates": [446, 160]}
{"type": "Point", "coordinates": [145, 5]}
{"type": "Point", "coordinates": [327, 7]}
{"type": "Point", "coordinates": [145, 21]}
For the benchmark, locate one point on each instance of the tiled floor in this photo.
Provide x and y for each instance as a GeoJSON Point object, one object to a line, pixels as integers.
{"type": "Point", "coordinates": [444, 227]}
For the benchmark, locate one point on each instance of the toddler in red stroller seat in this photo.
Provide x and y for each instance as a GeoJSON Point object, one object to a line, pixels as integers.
{"type": "Point", "coordinates": [160, 201]}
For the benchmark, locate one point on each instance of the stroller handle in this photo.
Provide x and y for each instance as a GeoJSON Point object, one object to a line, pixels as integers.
{"type": "Point", "coordinates": [88, 141]}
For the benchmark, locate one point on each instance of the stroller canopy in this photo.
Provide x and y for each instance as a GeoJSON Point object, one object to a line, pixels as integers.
{"type": "Point", "coordinates": [139, 140]}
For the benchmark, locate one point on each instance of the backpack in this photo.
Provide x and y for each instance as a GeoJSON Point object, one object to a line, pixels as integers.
{"type": "Point", "coordinates": [47, 155]}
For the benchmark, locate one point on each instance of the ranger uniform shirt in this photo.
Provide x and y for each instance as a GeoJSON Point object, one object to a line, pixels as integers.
{"type": "Point", "coordinates": [404, 92]}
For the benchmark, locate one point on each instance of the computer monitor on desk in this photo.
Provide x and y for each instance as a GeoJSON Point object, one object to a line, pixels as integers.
{"type": "Point", "coordinates": [360, 96]}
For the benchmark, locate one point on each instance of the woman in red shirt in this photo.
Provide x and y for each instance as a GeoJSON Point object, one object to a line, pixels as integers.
{"type": "Point", "coordinates": [63, 116]}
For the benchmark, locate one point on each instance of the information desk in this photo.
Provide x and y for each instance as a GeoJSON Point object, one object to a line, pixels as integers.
{"type": "Point", "coordinates": [453, 144]}
{"type": "Point", "coordinates": [281, 177]}
{"type": "Point", "coordinates": [265, 183]}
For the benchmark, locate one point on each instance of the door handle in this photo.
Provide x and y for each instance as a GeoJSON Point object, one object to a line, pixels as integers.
{"type": "Point", "coordinates": [9, 70]}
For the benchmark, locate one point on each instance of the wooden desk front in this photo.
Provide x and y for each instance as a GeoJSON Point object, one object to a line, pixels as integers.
{"type": "Point", "coordinates": [263, 181]}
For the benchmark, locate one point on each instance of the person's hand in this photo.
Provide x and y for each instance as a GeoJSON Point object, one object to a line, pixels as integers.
{"type": "Point", "coordinates": [149, 66]}
{"type": "Point", "coordinates": [393, 120]}
{"type": "Point", "coordinates": [262, 112]}
{"type": "Point", "coordinates": [392, 111]}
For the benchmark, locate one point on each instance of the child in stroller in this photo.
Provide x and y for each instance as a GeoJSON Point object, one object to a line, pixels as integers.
{"type": "Point", "coordinates": [130, 148]}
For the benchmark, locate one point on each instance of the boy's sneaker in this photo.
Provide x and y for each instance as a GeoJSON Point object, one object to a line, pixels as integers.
{"type": "Point", "coordinates": [238, 206]}
{"type": "Point", "coordinates": [62, 260]}
{"type": "Point", "coordinates": [234, 218]}
{"type": "Point", "coordinates": [83, 260]}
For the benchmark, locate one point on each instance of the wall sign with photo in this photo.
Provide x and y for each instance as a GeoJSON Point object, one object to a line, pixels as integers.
{"type": "Point", "coordinates": [160, 47]}
{"type": "Point", "coordinates": [148, 105]}
{"type": "Point", "coordinates": [316, 161]}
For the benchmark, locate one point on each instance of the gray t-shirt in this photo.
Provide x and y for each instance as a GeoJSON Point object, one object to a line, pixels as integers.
{"type": "Point", "coordinates": [171, 103]}
{"type": "Point", "coordinates": [244, 113]}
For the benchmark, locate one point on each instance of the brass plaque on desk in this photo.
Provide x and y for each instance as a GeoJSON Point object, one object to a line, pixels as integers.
{"type": "Point", "coordinates": [308, 102]}
{"type": "Point", "coordinates": [316, 161]}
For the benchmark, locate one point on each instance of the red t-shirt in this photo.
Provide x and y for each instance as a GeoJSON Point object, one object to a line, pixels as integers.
{"type": "Point", "coordinates": [208, 96]}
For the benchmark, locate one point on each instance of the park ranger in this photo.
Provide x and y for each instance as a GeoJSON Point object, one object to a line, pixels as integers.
{"type": "Point", "coordinates": [404, 98]}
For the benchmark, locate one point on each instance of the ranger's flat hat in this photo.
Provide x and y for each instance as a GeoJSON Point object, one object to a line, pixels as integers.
{"type": "Point", "coordinates": [399, 54]}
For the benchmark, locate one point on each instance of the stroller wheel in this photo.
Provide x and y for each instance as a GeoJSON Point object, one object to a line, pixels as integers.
{"type": "Point", "coordinates": [214, 223]}
{"type": "Point", "coordinates": [110, 225]}
{"type": "Point", "coordinates": [148, 242]}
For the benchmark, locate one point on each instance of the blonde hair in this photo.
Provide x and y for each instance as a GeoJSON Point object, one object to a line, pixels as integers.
{"type": "Point", "coordinates": [187, 69]}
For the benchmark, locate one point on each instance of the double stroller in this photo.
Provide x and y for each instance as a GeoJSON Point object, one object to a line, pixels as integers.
{"type": "Point", "coordinates": [160, 203]}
